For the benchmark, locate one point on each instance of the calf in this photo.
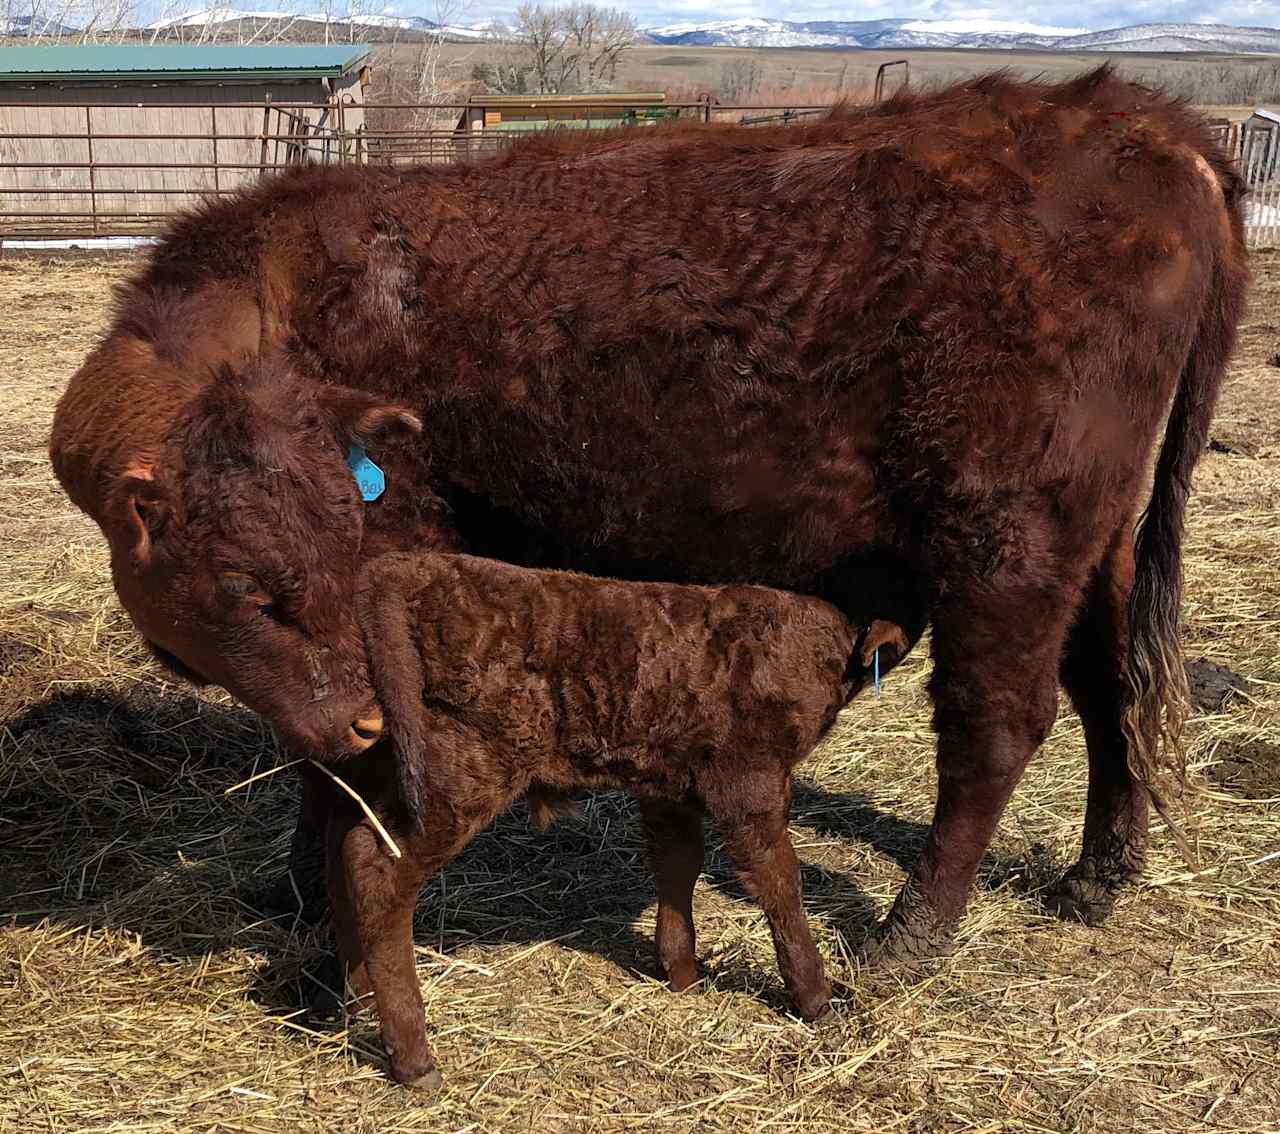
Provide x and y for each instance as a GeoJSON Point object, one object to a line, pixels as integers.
{"type": "Point", "coordinates": [499, 680]}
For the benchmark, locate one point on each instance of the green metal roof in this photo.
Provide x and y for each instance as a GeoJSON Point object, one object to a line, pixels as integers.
{"type": "Point", "coordinates": [138, 61]}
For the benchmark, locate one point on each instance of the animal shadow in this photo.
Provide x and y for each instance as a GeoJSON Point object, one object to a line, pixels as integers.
{"type": "Point", "coordinates": [115, 814]}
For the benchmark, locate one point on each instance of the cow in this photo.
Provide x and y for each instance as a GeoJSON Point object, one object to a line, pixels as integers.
{"type": "Point", "coordinates": [497, 679]}
{"type": "Point", "coordinates": [912, 359]}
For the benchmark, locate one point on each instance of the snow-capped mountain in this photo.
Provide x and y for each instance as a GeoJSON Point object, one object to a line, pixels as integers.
{"type": "Point", "coordinates": [1178, 37]}
{"type": "Point", "coordinates": [975, 33]}
{"type": "Point", "coordinates": [217, 16]}
{"type": "Point", "coordinates": [35, 26]}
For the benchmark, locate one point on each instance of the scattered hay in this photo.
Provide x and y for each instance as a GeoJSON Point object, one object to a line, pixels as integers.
{"type": "Point", "coordinates": [140, 990]}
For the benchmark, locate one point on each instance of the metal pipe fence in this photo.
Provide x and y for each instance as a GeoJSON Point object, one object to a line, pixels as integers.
{"type": "Point", "coordinates": [71, 171]}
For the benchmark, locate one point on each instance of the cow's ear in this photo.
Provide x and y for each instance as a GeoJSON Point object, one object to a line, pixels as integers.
{"type": "Point", "coordinates": [366, 418]}
{"type": "Point", "coordinates": [143, 511]}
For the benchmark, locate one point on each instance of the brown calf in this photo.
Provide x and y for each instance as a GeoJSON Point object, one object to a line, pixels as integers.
{"type": "Point", "coordinates": [498, 680]}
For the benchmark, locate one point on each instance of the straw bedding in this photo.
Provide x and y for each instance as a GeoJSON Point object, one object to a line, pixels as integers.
{"type": "Point", "coordinates": [140, 988]}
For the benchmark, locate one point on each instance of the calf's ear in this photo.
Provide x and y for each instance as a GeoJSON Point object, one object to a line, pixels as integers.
{"type": "Point", "coordinates": [142, 511]}
{"type": "Point", "coordinates": [881, 634]}
{"type": "Point", "coordinates": [365, 418]}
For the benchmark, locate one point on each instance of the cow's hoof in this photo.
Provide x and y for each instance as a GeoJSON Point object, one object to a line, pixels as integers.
{"type": "Point", "coordinates": [427, 1082]}
{"type": "Point", "coordinates": [909, 938]}
{"type": "Point", "coordinates": [290, 896]}
{"type": "Point", "coordinates": [1077, 898]}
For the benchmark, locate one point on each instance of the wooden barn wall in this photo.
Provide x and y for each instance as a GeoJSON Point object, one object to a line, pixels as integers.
{"type": "Point", "coordinates": [138, 111]}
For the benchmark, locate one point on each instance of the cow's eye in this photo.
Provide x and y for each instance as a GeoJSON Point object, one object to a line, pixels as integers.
{"type": "Point", "coordinates": [238, 585]}
{"type": "Point", "coordinates": [277, 613]}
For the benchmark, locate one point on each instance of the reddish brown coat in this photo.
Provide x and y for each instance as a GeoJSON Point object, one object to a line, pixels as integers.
{"type": "Point", "coordinates": [498, 679]}
{"type": "Point", "coordinates": [913, 358]}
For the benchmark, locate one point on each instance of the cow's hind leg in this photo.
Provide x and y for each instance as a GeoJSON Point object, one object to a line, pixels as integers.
{"type": "Point", "coordinates": [674, 833]}
{"type": "Point", "coordinates": [752, 814]}
{"type": "Point", "coordinates": [1115, 826]}
{"type": "Point", "coordinates": [996, 653]}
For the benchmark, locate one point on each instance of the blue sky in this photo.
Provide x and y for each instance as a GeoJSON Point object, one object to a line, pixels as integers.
{"type": "Point", "coordinates": [1093, 14]}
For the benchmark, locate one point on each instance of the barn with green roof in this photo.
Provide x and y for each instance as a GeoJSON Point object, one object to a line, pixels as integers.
{"type": "Point", "coordinates": [111, 138]}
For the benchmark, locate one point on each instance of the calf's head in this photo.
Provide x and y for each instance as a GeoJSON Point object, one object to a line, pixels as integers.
{"type": "Point", "coordinates": [235, 550]}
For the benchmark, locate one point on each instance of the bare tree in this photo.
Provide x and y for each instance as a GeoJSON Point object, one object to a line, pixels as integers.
{"type": "Point", "coordinates": [507, 68]}
{"type": "Point", "coordinates": [542, 36]}
{"type": "Point", "coordinates": [599, 37]}
{"type": "Point", "coordinates": [566, 49]}
{"type": "Point", "coordinates": [739, 80]}
{"type": "Point", "coordinates": [85, 21]}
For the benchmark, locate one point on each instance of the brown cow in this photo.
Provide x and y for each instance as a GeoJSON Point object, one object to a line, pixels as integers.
{"type": "Point", "coordinates": [912, 358]}
{"type": "Point", "coordinates": [498, 679]}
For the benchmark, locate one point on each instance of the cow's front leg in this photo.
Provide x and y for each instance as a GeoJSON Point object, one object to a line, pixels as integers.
{"type": "Point", "coordinates": [994, 689]}
{"type": "Point", "coordinates": [300, 889]}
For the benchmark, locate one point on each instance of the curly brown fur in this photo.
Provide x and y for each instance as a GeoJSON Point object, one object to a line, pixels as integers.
{"type": "Point", "coordinates": [913, 358]}
{"type": "Point", "coordinates": [498, 679]}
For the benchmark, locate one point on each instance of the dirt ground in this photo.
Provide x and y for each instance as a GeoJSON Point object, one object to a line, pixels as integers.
{"type": "Point", "coordinates": [141, 990]}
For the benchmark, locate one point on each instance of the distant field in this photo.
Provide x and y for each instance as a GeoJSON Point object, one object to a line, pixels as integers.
{"type": "Point", "coordinates": [793, 74]}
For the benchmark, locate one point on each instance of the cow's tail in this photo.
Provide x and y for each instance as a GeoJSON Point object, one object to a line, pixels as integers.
{"type": "Point", "coordinates": [1154, 665]}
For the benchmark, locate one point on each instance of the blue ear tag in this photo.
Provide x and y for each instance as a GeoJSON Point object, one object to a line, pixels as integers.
{"type": "Point", "coordinates": [877, 665]}
{"type": "Point", "coordinates": [368, 476]}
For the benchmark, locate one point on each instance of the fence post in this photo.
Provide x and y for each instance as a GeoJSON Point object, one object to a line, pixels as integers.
{"type": "Point", "coordinates": [213, 123]}
{"type": "Point", "coordinates": [266, 129]}
{"type": "Point", "coordinates": [93, 181]}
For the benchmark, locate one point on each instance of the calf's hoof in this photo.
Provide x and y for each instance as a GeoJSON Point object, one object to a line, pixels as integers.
{"type": "Point", "coordinates": [429, 1082]}
{"type": "Point", "coordinates": [815, 1008]}
{"type": "Point", "coordinates": [418, 1075]}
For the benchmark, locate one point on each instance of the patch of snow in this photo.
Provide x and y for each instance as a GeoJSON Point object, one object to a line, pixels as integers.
{"type": "Point", "coordinates": [204, 16]}
{"type": "Point", "coordinates": [88, 243]}
{"type": "Point", "coordinates": [988, 27]}
{"type": "Point", "coordinates": [971, 33]}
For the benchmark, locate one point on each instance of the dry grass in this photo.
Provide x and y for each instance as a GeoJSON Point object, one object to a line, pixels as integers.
{"type": "Point", "coordinates": [792, 75]}
{"type": "Point", "coordinates": [140, 991]}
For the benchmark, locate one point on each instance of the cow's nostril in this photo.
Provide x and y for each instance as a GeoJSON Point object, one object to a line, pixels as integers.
{"type": "Point", "coordinates": [368, 729]}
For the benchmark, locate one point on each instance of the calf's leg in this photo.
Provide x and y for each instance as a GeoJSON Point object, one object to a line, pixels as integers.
{"type": "Point", "coordinates": [674, 833]}
{"type": "Point", "coordinates": [995, 680]}
{"type": "Point", "coordinates": [374, 898]}
{"type": "Point", "coordinates": [752, 814]}
{"type": "Point", "coordinates": [1115, 826]}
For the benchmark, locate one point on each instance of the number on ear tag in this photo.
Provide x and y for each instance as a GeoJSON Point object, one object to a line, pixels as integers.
{"type": "Point", "coordinates": [369, 477]}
